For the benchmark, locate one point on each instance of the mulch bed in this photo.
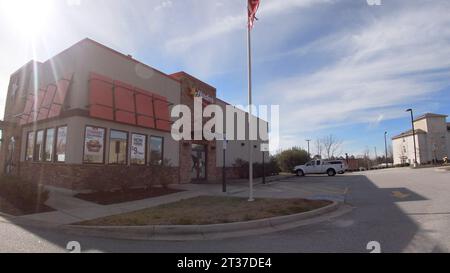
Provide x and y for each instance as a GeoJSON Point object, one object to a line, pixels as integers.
{"type": "Point", "coordinates": [9, 208]}
{"type": "Point", "coordinates": [115, 197]}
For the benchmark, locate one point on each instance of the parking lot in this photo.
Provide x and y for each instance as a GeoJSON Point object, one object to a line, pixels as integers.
{"type": "Point", "coordinates": [404, 210]}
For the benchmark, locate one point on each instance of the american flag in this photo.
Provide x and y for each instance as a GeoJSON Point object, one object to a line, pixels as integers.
{"type": "Point", "coordinates": [253, 6]}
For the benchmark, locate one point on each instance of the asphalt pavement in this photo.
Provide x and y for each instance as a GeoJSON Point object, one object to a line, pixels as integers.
{"type": "Point", "coordinates": [403, 210]}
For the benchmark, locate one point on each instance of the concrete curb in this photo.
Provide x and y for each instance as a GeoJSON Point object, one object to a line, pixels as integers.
{"type": "Point", "coordinates": [443, 169]}
{"type": "Point", "coordinates": [200, 232]}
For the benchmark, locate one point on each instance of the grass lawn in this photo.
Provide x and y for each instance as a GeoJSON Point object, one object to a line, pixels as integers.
{"type": "Point", "coordinates": [205, 210]}
{"type": "Point", "coordinates": [115, 197]}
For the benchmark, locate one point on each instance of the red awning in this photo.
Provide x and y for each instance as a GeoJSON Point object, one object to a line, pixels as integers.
{"type": "Point", "coordinates": [119, 101]}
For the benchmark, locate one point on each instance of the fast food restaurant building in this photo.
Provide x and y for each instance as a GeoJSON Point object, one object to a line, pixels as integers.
{"type": "Point", "coordinates": [91, 107]}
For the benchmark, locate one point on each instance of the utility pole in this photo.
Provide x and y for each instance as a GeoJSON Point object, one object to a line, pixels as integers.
{"type": "Point", "coordinates": [309, 154]}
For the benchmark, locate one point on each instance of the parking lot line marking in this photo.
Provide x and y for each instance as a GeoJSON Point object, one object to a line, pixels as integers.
{"type": "Point", "coordinates": [400, 195]}
{"type": "Point", "coordinates": [325, 189]}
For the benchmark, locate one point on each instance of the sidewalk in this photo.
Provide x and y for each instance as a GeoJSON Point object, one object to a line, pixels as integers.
{"type": "Point", "coordinates": [233, 186]}
{"type": "Point", "coordinates": [73, 210]}
{"type": "Point", "coordinates": [282, 187]}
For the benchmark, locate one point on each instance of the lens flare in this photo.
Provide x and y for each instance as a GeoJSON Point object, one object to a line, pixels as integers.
{"type": "Point", "coordinates": [28, 17]}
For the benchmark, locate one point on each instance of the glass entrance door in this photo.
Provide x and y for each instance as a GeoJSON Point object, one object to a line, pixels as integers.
{"type": "Point", "coordinates": [198, 164]}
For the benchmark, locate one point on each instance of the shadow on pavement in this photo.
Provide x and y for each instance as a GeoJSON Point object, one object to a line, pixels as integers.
{"type": "Point", "coordinates": [376, 217]}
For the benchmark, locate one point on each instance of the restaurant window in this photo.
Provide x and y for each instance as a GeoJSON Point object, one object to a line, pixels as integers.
{"type": "Point", "coordinates": [30, 147]}
{"type": "Point", "coordinates": [118, 146]}
{"type": "Point", "coordinates": [39, 146]}
{"type": "Point", "coordinates": [61, 141]}
{"type": "Point", "coordinates": [49, 144]}
{"type": "Point", "coordinates": [138, 149]}
{"type": "Point", "coordinates": [156, 150]}
{"type": "Point", "coordinates": [94, 145]}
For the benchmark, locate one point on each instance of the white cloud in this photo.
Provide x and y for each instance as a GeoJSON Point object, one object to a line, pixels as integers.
{"type": "Point", "coordinates": [396, 56]}
{"type": "Point", "coordinates": [229, 23]}
{"type": "Point", "coordinates": [164, 5]}
{"type": "Point", "coordinates": [394, 61]}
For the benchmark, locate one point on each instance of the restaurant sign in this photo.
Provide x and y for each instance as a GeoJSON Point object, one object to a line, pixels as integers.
{"type": "Point", "coordinates": [197, 93]}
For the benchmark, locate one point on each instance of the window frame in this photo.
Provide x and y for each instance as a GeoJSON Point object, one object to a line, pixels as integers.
{"type": "Point", "coordinates": [162, 150]}
{"type": "Point", "coordinates": [53, 145]}
{"type": "Point", "coordinates": [35, 152]}
{"type": "Point", "coordinates": [146, 149]}
{"type": "Point", "coordinates": [127, 148]}
{"type": "Point", "coordinates": [26, 146]}
{"type": "Point", "coordinates": [84, 144]}
{"type": "Point", "coordinates": [55, 157]}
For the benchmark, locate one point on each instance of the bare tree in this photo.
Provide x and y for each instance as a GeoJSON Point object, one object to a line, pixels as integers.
{"type": "Point", "coordinates": [319, 147]}
{"type": "Point", "coordinates": [367, 157]}
{"type": "Point", "coordinates": [331, 145]}
{"type": "Point", "coordinates": [390, 153]}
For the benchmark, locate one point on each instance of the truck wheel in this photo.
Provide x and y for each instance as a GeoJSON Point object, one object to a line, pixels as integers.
{"type": "Point", "coordinates": [300, 173]}
{"type": "Point", "coordinates": [331, 172]}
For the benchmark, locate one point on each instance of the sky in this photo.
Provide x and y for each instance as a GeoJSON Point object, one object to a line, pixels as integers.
{"type": "Point", "coordinates": [340, 67]}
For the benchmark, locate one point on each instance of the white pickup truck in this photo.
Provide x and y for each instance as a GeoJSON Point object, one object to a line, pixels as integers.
{"type": "Point", "coordinates": [330, 167]}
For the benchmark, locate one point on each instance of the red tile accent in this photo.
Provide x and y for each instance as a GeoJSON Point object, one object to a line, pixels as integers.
{"type": "Point", "coordinates": [125, 117]}
{"type": "Point", "coordinates": [102, 112]}
{"type": "Point", "coordinates": [148, 122]}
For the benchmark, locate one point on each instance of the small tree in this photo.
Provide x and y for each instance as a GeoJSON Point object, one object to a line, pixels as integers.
{"type": "Point", "coordinates": [331, 145]}
{"type": "Point", "coordinates": [318, 144]}
{"type": "Point", "coordinates": [290, 158]}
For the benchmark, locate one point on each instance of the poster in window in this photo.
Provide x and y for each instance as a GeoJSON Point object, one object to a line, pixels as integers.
{"type": "Point", "coordinates": [138, 146]}
{"type": "Point", "coordinates": [94, 145]}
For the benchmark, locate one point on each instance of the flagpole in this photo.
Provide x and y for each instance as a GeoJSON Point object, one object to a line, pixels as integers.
{"type": "Point", "coordinates": [250, 161]}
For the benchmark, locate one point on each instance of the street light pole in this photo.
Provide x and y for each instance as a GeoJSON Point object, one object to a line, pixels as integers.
{"type": "Point", "coordinates": [414, 136]}
{"type": "Point", "coordinates": [263, 167]}
{"type": "Point", "coordinates": [224, 178]}
{"type": "Point", "coordinates": [385, 149]}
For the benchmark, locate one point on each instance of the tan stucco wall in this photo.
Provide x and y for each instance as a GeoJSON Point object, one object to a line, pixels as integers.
{"type": "Point", "coordinates": [94, 58]}
{"type": "Point", "coordinates": [437, 138]}
{"type": "Point", "coordinates": [408, 143]}
{"type": "Point", "coordinates": [87, 56]}
{"type": "Point", "coordinates": [235, 149]}
{"type": "Point", "coordinates": [421, 124]}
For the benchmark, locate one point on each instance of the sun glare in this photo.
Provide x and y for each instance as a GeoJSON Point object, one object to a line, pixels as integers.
{"type": "Point", "coordinates": [29, 17]}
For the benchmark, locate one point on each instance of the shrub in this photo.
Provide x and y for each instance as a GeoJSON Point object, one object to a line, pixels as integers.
{"type": "Point", "coordinates": [242, 167]}
{"type": "Point", "coordinates": [402, 165]}
{"type": "Point", "coordinates": [163, 174]}
{"type": "Point", "coordinates": [144, 176]}
{"type": "Point", "coordinates": [288, 159]}
{"type": "Point", "coordinates": [24, 195]}
{"type": "Point", "coordinates": [119, 177]}
{"type": "Point", "coordinates": [270, 168]}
